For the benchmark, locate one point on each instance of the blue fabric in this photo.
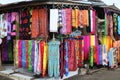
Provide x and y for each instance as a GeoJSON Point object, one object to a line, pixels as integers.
{"type": "Point", "coordinates": [23, 54]}
{"type": "Point", "coordinates": [66, 58]}
{"type": "Point", "coordinates": [118, 24]}
{"type": "Point", "coordinates": [100, 54]}
{"type": "Point", "coordinates": [110, 57]}
{"type": "Point", "coordinates": [53, 58]}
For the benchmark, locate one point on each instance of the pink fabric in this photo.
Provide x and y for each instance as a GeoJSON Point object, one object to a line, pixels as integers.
{"type": "Point", "coordinates": [39, 60]}
{"type": "Point", "coordinates": [68, 21]}
{"type": "Point", "coordinates": [13, 33]}
{"type": "Point", "coordinates": [94, 21]}
{"type": "Point", "coordinates": [87, 46]}
{"type": "Point", "coordinates": [20, 53]}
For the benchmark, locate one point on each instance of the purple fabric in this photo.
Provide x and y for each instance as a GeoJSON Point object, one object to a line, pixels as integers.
{"type": "Point", "coordinates": [8, 18]}
{"type": "Point", "coordinates": [5, 51]}
{"type": "Point", "coordinates": [63, 29]}
{"type": "Point", "coordinates": [33, 53]}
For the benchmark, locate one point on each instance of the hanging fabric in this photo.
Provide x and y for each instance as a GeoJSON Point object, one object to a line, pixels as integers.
{"type": "Point", "coordinates": [36, 57]}
{"type": "Point", "coordinates": [15, 25]}
{"type": "Point", "coordinates": [80, 22]}
{"type": "Point", "coordinates": [104, 52]}
{"type": "Point", "coordinates": [35, 23]}
{"type": "Point", "coordinates": [10, 52]}
{"type": "Point", "coordinates": [60, 18]}
{"type": "Point", "coordinates": [93, 21]}
{"type": "Point", "coordinates": [86, 18]}
{"type": "Point", "coordinates": [8, 19]}
{"type": "Point", "coordinates": [118, 25]}
{"type": "Point", "coordinates": [23, 54]}
{"type": "Point", "coordinates": [16, 52]}
{"type": "Point", "coordinates": [40, 58]}
{"type": "Point", "coordinates": [105, 24]}
{"type": "Point", "coordinates": [87, 48]}
{"type": "Point", "coordinates": [91, 56]}
{"type": "Point", "coordinates": [115, 26]}
{"type": "Point", "coordinates": [74, 18]}
{"type": "Point", "coordinates": [54, 21]}
{"type": "Point", "coordinates": [4, 51]}
{"type": "Point", "coordinates": [30, 55]}
{"type": "Point", "coordinates": [3, 26]}
{"type": "Point", "coordinates": [25, 25]}
{"type": "Point", "coordinates": [63, 29]}
{"type": "Point", "coordinates": [43, 21]}
{"type": "Point", "coordinates": [81, 53]}
{"type": "Point", "coordinates": [20, 53]}
{"type": "Point", "coordinates": [27, 61]}
{"type": "Point", "coordinates": [45, 59]}
{"type": "Point", "coordinates": [53, 58]}
{"type": "Point", "coordinates": [100, 54]}
{"type": "Point", "coordinates": [61, 59]}
{"type": "Point", "coordinates": [72, 55]}
{"type": "Point", "coordinates": [111, 26]}
{"type": "Point", "coordinates": [33, 54]}
{"type": "Point", "coordinates": [68, 21]}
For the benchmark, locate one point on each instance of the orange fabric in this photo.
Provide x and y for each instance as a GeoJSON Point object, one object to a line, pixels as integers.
{"type": "Point", "coordinates": [35, 23]}
{"type": "Point", "coordinates": [76, 17]}
{"type": "Point", "coordinates": [73, 18]}
{"type": "Point", "coordinates": [86, 18]}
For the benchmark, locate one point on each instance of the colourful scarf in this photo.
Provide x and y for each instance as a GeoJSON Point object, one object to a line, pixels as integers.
{"type": "Point", "coordinates": [30, 55]}
{"type": "Point", "coordinates": [20, 53]}
{"type": "Point", "coordinates": [45, 60]}
{"type": "Point", "coordinates": [35, 23]}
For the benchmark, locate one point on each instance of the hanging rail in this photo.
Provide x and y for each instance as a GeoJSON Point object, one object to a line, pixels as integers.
{"type": "Point", "coordinates": [40, 2]}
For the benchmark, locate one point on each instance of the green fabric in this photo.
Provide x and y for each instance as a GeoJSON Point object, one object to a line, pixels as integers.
{"type": "Point", "coordinates": [91, 56]}
{"type": "Point", "coordinates": [29, 55]}
{"type": "Point", "coordinates": [105, 33]}
{"type": "Point", "coordinates": [10, 56]}
{"type": "Point", "coordinates": [17, 30]}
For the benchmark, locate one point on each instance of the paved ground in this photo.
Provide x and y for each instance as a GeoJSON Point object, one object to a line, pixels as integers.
{"type": "Point", "coordinates": [100, 75]}
{"type": "Point", "coordinates": [4, 78]}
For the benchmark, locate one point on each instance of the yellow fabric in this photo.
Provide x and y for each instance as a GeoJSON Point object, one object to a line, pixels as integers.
{"type": "Point", "coordinates": [45, 59]}
{"type": "Point", "coordinates": [16, 52]}
{"type": "Point", "coordinates": [82, 50]}
{"type": "Point", "coordinates": [104, 40]}
{"type": "Point", "coordinates": [92, 40]}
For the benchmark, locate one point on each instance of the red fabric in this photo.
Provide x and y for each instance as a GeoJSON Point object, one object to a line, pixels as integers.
{"type": "Point", "coordinates": [42, 52]}
{"type": "Point", "coordinates": [72, 55]}
{"type": "Point", "coordinates": [26, 54]}
{"type": "Point", "coordinates": [81, 53]}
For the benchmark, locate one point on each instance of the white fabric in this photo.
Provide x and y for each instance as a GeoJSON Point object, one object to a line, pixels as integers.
{"type": "Point", "coordinates": [0, 41]}
{"type": "Point", "coordinates": [53, 20]}
{"type": "Point", "coordinates": [36, 57]}
{"type": "Point", "coordinates": [91, 19]}
{"type": "Point", "coordinates": [3, 26]}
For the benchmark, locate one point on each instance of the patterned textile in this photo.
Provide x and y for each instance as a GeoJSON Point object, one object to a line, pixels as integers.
{"type": "Point", "coordinates": [25, 24]}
